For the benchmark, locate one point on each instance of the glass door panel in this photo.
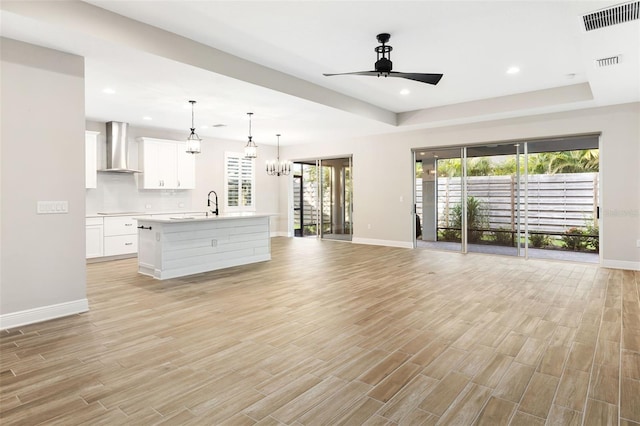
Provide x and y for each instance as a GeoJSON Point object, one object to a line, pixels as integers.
{"type": "Point", "coordinates": [438, 199]}
{"type": "Point", "coordinates": [306, 203]}
{"type": "Point", "coordinates": [494, 200]}
{"type": "Point", "coordinates": [336, 192]}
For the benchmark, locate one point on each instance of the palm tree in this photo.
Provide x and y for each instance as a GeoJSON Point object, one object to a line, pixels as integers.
{"type": "Point", "coordinates": [580, 161]}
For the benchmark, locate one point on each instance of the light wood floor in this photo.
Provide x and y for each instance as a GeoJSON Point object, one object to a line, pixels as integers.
{"type": "Point", "coordinates": [336, 333]}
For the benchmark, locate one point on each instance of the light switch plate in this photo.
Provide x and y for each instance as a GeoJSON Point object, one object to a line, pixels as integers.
{"type": "Point", "coordinates": [52, 207]}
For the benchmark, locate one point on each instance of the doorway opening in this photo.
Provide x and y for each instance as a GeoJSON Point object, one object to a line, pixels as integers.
{"type": "Point", "coordinates": [323, 198]}
{"type": "Point", "coordinates": [535, 199]}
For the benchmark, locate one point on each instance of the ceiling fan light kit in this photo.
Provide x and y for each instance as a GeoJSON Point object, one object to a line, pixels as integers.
{"type": "Point", "coordinates": [384, 66]}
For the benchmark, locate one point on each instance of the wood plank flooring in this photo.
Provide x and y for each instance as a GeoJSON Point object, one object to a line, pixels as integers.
{"type": "Point", "coordinates": [332, 333]}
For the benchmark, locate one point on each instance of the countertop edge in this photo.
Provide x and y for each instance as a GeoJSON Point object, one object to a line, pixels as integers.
{"type": "Point", "coordinates": [168, 218]}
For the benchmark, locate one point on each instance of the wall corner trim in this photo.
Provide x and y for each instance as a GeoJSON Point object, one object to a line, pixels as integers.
{"type": "Point", "coordinates": [43, 313]}
{"type": "Point", "coordinates": [388, 243]}
{"type": "Point", "coordinates": [621, 264]}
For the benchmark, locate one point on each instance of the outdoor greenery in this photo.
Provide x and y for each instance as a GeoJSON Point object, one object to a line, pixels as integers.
{"type": "Point", "coordinates": [580, 161]}
{"type": "Point", "coordinates": [476, 220]}
{"type": "Point", "coordinates": [582, 239]}
{"type": "Point", "coordinates": [503, 237]}
{"type": "Point", "coordinates": [539, 240]}
{"type": "Point", "coordinates": [574, 239]}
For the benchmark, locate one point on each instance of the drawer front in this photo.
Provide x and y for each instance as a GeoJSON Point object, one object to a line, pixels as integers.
{"type": "Point", "coordinates": [120, 225]}
{"type": "Point", "coordinates": [120, 244]}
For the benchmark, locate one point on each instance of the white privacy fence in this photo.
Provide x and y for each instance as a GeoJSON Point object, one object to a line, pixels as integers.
{"type": "Point", "coordinates": [555, 202]}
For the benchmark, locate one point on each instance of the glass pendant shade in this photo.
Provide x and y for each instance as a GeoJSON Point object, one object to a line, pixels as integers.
{"type": "Point", "coordinates": [193, 141]}
{"type": "Point", "coordinates": [250, 150]}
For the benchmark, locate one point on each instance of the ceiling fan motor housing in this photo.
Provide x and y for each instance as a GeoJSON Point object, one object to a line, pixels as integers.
{"type": "Point", "coordinates": [383, 66]}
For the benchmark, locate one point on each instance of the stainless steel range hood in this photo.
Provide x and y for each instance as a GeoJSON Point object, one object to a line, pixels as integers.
{"type": "Point", "coordinates": [118, 148]}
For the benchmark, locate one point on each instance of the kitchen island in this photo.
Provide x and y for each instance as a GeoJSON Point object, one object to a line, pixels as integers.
{"type": "Point", "coordinates": [171, 246]}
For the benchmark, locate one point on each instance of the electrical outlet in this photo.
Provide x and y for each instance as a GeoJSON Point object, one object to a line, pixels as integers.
{"type": "Point", "coordinates": [638, 243]}
{"type": "Point", "coordinates": [214, 243]}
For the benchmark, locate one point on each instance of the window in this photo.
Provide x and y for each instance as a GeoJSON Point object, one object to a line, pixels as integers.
{"type": "Point", "coordinates": [239, 182]}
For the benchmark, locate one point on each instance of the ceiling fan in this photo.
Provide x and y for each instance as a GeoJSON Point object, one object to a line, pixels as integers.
{"type": "Point", "coordinates": [384, 65]}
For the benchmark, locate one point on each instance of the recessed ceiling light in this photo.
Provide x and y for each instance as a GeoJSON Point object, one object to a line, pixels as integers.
{"type": "Point", "coordinates": [422, 153]}
{"type": "Point", "coordinates": [108, 90]}
{"type": "Point", "coordinates": [405, 91]}
{"type": "Point", "coordinates": [513, 70]}
{"type": "Point", "coordinates": [146, 117]}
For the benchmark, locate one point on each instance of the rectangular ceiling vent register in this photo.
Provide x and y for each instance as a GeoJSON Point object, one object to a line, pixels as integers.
{"type": "Point", "coordinates": [607, 62]}
{"type": "Point", "coordinates": [612, 16]}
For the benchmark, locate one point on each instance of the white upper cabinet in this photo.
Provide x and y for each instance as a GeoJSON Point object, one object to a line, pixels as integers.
{"type": "Point", "coordinates": [91, 159]}
{"type": "Point", "coordinates": [186, 167]}
{"type": "Point", "coordinates": [165, 165]}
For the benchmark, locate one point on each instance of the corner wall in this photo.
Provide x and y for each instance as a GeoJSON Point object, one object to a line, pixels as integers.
{"type": "Point", "coordinates": [42, 259]}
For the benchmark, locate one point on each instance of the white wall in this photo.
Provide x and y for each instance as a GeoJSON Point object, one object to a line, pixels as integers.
{"type": "Point", "coordinates": [43, 272]}
{"type": "Point", "coordinates": [383, 172]}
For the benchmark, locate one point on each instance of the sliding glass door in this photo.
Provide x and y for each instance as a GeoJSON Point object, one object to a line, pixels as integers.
{"type": "Point", "coordinates": [323, 198]}
{"type": "Point", "coordinates": [532, 199]}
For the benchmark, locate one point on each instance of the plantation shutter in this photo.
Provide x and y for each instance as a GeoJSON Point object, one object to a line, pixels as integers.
{"type": "Point", "coordinates": [246, 177]}
{"type": "Point", "coordinates": [239, 182]}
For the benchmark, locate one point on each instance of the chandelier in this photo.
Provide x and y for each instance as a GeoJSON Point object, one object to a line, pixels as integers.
{"type": "Point", "coordinates": [277, 167]}
{"type": "Point", "coordinates": [250, 150]}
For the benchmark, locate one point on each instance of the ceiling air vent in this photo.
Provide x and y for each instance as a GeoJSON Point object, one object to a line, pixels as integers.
{"type": "Point", "coordinates": [606, 62]}
{"type": "Point", "coordinates": [612, 16]}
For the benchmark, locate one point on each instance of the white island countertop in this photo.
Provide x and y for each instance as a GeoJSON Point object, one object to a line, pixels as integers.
{"type": "Point", "coordinates": [198, 217]}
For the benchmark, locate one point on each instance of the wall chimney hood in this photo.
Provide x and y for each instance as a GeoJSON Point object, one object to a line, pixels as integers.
{"type": "Point", "coordinates": [117, 148]}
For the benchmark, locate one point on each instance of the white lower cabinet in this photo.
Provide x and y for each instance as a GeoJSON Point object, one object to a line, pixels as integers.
{"type": "Point", "coordinates": [120, 235]}
{"type": "Point", "coordinates": [95, 237]}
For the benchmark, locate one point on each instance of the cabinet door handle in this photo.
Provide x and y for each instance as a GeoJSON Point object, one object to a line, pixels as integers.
{"type": "Point", "coordinates": [128, 224]}
{"type": "Point", "coordinates": [128, 244]}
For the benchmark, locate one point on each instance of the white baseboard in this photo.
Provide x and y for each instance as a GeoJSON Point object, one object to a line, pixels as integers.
{"type": "Point", "coordinates": [279, 234]}
{"type": "Point", "coordinates": [43, 313]}
{"type": "Point", "coordinates": [621, 264]}
{"type": "Point", "coordinates": [388, 243]}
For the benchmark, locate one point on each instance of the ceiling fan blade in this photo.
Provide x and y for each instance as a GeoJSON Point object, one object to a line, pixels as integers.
{"type": "Point", "coordinates": [423, 78]}
{"type": "Point", "coordinates": [354, 73]}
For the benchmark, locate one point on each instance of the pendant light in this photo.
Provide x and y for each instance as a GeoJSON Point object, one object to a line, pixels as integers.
{"type": "Point", "coordinates": [250, 150]}
{"type": "Point", "coordinates": [277, 167]}
{"type": "Point", "coordinates": [193, 141]}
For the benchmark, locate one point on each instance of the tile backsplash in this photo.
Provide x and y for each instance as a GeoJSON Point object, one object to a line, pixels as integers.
{"type": "Point", "coordinates": [118, 192]}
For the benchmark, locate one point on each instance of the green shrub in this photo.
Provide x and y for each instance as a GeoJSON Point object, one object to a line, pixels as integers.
{"type": "Point", "coordinates": [502, 236]}
{"type": "Point", "coordinates": [593, 239]}
{"type": "Point", "coordinates": [539, 240]}
{"type": "Point", "coordinates": [476, 219]}
{"type": "Point", "coordinates": [575, 239]}
{"type": "Point", "coordinates": [449, 235]}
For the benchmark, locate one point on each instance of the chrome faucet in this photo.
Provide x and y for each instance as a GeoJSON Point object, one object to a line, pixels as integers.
{"type": "Point", "coordinates": [209, 202]}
